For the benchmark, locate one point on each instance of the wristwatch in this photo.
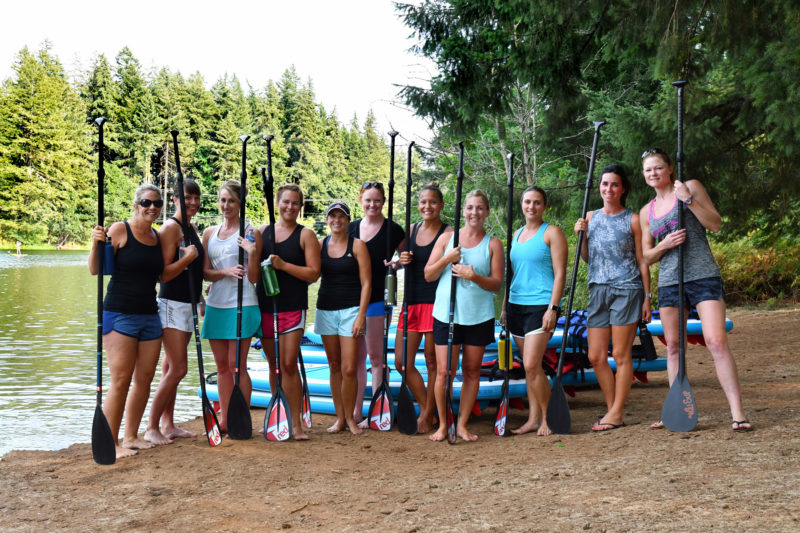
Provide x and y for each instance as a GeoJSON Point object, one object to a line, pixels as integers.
{"type": "Point", "coordinates": [648, 295]}
{"type": "Point", "coordinates": [555, 308]}
{"type": "Point", "coordinates": [688, 201]}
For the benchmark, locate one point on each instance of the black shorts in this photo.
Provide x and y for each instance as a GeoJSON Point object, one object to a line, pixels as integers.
{"type": "Point", "coordinates": [473, 335]}
{"type": "Point", "coordinates": [524, 319]}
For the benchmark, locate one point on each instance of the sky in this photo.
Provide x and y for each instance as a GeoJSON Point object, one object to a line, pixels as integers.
{"type": "Point", "coordinates": [354, 51]}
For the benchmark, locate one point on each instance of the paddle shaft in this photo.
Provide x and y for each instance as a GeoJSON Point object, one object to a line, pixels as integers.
{"type": "Point", "coordinates": [240, 281]}
{"type": "Point", "coordinates": [101, 174]}
{"type": "Point", "coordinates": [390, 281]}
{"type": "Point", "coordinates": [681, 225]}
{"type": "Point", "coordinates": [509, 273]}
{"type": "Point", "coordinates": [269, 191]}
{"type": "Point", "coordinates": [407, 277]}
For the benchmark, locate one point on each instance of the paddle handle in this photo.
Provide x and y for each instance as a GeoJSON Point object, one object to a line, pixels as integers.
{"type": "Point", "coordinates": [407, 272]}
{"type": "Point", "coordinates": [101, 174]}
{"type": "Point", "coordinates": [453, 279]}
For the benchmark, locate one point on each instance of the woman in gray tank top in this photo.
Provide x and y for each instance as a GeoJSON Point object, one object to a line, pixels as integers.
{"type": "Point", "coordinates": [702, 281]}
{"type": "Point", "coordinates": [617, 275]}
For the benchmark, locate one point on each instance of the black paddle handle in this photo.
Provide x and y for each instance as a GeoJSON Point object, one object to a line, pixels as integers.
{"type": "Point", "coordinates": [101, 174]}
{"type": "Point", "coordinates": [407, 276]}
{"type": "Point", "coordinates": [510, 215]}
{"type": "Point", "coordinates": [680, 84]}
{"type": "Point", "coordinates": [587, 189]}
{"type": "Point", "coordinates": [269, 195]}
{"type": "Point", "coordinates": [453, 279]}
{"type": "Point", "coordinates": [240, 281]}
{"type": "Point", "coordinates": [392, 134]}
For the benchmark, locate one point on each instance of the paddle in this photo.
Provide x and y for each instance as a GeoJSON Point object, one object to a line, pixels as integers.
{"type": "Point", "coordinates": [381, 408]}
{"type": "Point", "coordinates": [406, 414]}
{"type": "Point", "coordinates": [502, 407]}
{"type": "Point", "coordinates": [679, 412]}
{"type": "Point", "coordinates": [104, 445]}
{"type": "Point", "coordinates": [305, 403]}
{"type": "Point", "coordinates": [558, 417]}
{"type": "Point", "coordinates": [278, 418]}
{"type": "Point", "coordinates": [240, 425]}
{"type": "Point", "coordinates": [210, 421]}
{"type": "Point", "coordinates": [450, 414]}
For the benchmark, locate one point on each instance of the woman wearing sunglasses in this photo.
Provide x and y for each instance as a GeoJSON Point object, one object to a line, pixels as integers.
{"type": "Point", "coordinates": [222, 269]}
{"type": "Point", "coordinates": [373, 230]}
{"type": "Point", "coordinates": [702, 281]}
{"type": "Point", "coordinates": [131, 326]}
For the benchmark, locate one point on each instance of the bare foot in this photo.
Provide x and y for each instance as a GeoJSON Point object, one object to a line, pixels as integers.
{"type": "Point", "coordinates": [156, 437]}
{"type": "Point", "coordinates": [466, 435]}
{"type": "Point", "coordinates": [440, 435]}
{"type": "Point", "coordinates": [527, 427]}
{"type": "Point", "coordinates": [544, 430]}
{"type": "Point", "coordinates": [175, 432]}
{"type": "Point", "coordinates": [125, 452]}
{"type": "Point", "coordinates": [657, 425]}
{"type": "Point", "coordinates": [298, 434]}
{"type": "Point", "coordinates": [136, 444]}
{"type": "Point", "coordinates": [337, 427]}
{"type": "Point", "coordinates": [423, 426]}
{"type": "Point", "coordinates": [354, 428]}
{"type": "Point", "coordinates": [364, 424]}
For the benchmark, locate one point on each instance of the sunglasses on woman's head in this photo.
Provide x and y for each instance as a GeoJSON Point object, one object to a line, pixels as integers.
{"type": "Point", "coordinates": [370, 184]}
{"type": "Point", "coordinates": [653, 151]}
{"type": "Point", "coordinates": [147, 202]}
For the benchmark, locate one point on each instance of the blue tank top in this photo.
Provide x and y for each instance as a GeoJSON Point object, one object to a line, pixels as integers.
{"type": "Point", "coordinates": [612, 251]}
{"type": "Point", "coordinates": [532, 264]}
{"type": "Point", "coordinates": [474, 305]}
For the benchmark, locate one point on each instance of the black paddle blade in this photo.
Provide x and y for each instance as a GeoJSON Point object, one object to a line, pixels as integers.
{"type": "Point", "coordinates": [278, 419]}
{"type": "Point", "coordinates": [558, 417]}
{"type": "Point", "coordinates": [502, 412]}
{"type": "Point", "coordinates": [104, 449]}
{"type": "Point", "coordinates": [646, 340]}
{"type": "Point", "coordinates": [406, 414]}
{"type": "Point", "coordinates": [240, 425]}
{"type": "Point", "coordinates": [450, 419]}
{"type": "Point", "coordinates": [380, 409]}
{"type": "Point", "coordinates": [680, 410]}
{"type": "Point", "coordinates": [210, 422]}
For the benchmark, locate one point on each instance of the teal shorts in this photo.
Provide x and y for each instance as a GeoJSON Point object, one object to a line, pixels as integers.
{"type": "Point", "coordinates": [221, 323]}
{"type": "Point", "coordinates": [336, 322]}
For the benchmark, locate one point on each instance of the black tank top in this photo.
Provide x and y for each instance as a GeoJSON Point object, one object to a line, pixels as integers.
{"type": "Point", "coordinates": [137, 266]}
{"type": "Point", "coordinates": [294, 292]}
{"type": "Point", "coordinates": [341, 283]}
{"type": "Point", "coordinates": [376, 247]}
{"type": "Point", "coordinates": [178, 288]}
{"type": "Point", "coordinates": [421, 291]}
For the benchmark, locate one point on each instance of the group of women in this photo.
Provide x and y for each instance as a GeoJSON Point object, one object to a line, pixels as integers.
{"type": "Point", "coordinates": [351, 262]}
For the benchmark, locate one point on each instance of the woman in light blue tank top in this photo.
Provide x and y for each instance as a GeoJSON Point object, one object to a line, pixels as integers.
{"type": "Point", "coordinates": [705, 293]}
{"type": "Point", "coordinates": [478, 263]}
{"type": "Point", "coordinates": [617, 275]}
{"type": "Point", "coordinates": [539, 265]}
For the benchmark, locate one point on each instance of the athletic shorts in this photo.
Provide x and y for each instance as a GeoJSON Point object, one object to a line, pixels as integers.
{"type": "Point", "coordinates": [142, 327]}
{"type": "Point", "coordinates": [700, 290]}
{"type": "Point", "coordinates": [524, 320]}
{"type": "Point", "coordinates": [609, 306]}
{"type": "Point", "coordinates": [377, 309]}
{"type": "Point", "coordinates": [336, 322]}
{"type": "Point", "coordinates": [175, 315]}
{"type": "Point", "coordinates": [420, 318]}
{"type": "Point", "coordinates": [481, 334]}
{"type": "Point", "coordinates": [220, 323]}
{"type": "Point", "coordinates": [288, 321]}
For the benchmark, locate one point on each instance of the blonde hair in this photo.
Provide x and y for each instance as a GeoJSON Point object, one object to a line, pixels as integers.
{"type": "Point", "coordinates": [143, 188]}
{"type": "Point", "coordinates": [233, 187]}
{"type": "Point", "coordinates": [290, 187]}
{"type": "Point", "coordinates": [480, 194]}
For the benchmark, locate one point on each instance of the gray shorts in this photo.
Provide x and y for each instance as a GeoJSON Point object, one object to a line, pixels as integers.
{"type": "Point", "coordinates": [609, 306]}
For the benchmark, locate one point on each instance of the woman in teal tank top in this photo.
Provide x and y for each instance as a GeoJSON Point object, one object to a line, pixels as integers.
{"type": "Point", "coordinates": [478, 263]}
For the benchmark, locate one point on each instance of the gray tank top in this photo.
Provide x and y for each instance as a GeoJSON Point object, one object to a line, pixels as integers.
{"type": "Point", "coordinates": [698, 261]}
{"type": "Point", "coordinates": [612, 251]}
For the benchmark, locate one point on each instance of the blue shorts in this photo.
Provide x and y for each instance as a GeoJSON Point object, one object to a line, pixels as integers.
{"type": "Point", "coordinates": [700, 290]}
{"type": "Point", "coordinates": [335, 322]}
{"type": "Point", "coordinates": [141, 327]}
{"type": "Point", "coordinates": [220, 323]}
{"type": "Point", "coordinates": [377, 309]}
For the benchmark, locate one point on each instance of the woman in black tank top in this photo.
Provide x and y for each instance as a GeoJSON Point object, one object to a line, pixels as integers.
{"type": "Point", "coordinates": [131, 327]}
{"type": "Point", "coordinates": [296, 259]}
{"type": "Point", "coordinates": [344, 291]}
{"type": "Point", "coordinates": [174, 300]}
{"type": "Point", "coordinates": [420, 300]}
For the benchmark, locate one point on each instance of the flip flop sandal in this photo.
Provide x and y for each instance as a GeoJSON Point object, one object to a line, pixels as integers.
{"type": "Point", "coordinates": [740, 426]}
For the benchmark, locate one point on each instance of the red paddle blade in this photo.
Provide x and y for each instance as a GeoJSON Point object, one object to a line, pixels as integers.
{"type": "Point", "coordinates": [500, 419]}
{"type": "Point", "coordinates": [306, 410]}
{"type": "Point", "coordinates": [213, 433]}
{"type": "Point", "coordinates": [278, 428]}
{"type": "Point", "coordinates": [380, 411]}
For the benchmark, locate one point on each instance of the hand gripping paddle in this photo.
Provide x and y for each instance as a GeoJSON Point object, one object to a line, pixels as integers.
{"type": "Point", "coordinates": [502, 408]}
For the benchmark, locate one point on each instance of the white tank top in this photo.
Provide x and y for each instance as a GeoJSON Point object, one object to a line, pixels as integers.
{"type": "Point", "coordinates": [225, 254]}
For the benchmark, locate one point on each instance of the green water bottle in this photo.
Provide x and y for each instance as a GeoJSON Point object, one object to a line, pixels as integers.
{"type": "Point", "coordinates": [390, 287]}
{"type": "Point", "coordinates": [269, 278]}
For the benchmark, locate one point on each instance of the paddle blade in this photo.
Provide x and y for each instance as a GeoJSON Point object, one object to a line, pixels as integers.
{"type": "Point", "coordinates": [306, 407]}
{"type": "Point", "coordinates": [680, 410]}
{"type": "Point", "coordinates": [380, 409]}
{"type": "Point", "coordinates": [213, 434]}
{"type": "Point", "coordinates": [278, 422]}
{"type": "Point", "coordinates": [502, 412]}
{"type": "Point", "coordinates": [558, 417]}
{"type": "Point", "coordinates": [104, 449]}
{"type": "Point", "coordinates": [240, 425]}
{"type": "Point", "coordinates": [406, 414]}
{"type": "Point", "coordinates": [450, 419]}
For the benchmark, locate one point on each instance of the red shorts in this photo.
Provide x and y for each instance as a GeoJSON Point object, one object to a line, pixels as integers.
{"type": "Point", "coordinates": [420, 318]}
{"type": "Point", "coordinates": [287, 321]}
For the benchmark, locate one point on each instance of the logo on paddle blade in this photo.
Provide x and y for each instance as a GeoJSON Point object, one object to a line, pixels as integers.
{"type": "Point", "coordinates": [381, 416]}
{"type": "Point", "coordinates": [278, 426]}
{"type": "Point", "coordinates": [214, 436]}
{"type": "Point", "coordinates": [306, 412]}
{"type": "Point", "coordinates": [688, 404]}
{"type": "Point", "coordinates": [500, 423]}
